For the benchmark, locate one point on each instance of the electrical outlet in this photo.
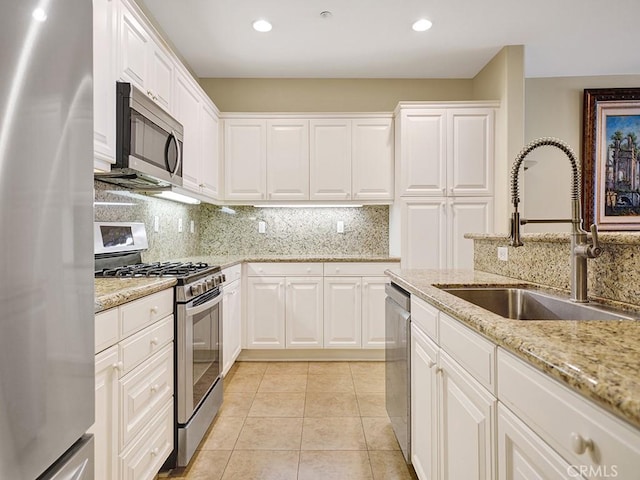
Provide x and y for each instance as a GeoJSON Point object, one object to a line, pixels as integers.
{"type": "Point", "coordinates": [503, 254]}
{"type": "Point", "coordinates": [262, 227]}
{"type": "Point", "coordinates": [340, 226]}
{"type": "Point", "coordinates": [156, 224]}
{"type": "Point", "coordinates": [192, 227]}
{"type": "Point", "coordinates": [179, 225]}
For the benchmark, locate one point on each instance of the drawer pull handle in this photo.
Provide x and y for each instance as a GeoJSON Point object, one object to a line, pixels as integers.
{"type": "Point", "coordinates": [154, 388]}
{"type": "Point", "coordinates": [154, 452]}
{"type": "Point", "coordinates": [439, 370]}
{"type": "Point", "coordinates": [431, 364]}
{"type": "Point", "coordinates": [154, 341]}
{"type": "Point", "coordinates": [579, 444]}
{"type": "Point", "coordinates": [154, 309]}
{"type": "Point", "coordinates": [117, 366]}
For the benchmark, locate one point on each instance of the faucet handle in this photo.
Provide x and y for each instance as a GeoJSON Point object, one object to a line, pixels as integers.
{"type": "Point", "coordinates": [594, 250]}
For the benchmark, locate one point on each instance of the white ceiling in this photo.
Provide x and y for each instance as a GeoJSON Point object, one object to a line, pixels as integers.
{"type": "Point", "coordinates": [373, 38]}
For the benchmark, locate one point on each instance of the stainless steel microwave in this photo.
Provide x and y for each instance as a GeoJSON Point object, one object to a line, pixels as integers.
{"type": "Point", "coordinates": [148, 143]}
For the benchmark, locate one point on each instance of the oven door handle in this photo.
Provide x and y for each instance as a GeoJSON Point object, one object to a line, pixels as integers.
{"type": "Point", "coordinates": [191, 311]}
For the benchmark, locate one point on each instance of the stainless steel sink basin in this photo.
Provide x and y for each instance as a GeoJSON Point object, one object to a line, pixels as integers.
{"type": "Point", "coordinates": [525, 304]}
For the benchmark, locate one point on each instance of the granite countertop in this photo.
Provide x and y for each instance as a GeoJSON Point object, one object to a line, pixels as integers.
{"type": "Point", "coordinates": [111, 292]}
{"type": "Point", "coordinates": [598, 359]}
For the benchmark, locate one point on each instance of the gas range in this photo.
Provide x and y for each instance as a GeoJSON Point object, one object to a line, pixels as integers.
{"type": "Point", "coordinates": [193, 279]}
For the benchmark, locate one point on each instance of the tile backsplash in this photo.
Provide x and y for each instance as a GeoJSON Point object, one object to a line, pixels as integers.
{"type": "Point", "coordinates": [288, 231]}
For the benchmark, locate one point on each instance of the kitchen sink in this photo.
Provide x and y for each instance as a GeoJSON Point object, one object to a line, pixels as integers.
{"type": "Point", "coordinates": [528, 304]}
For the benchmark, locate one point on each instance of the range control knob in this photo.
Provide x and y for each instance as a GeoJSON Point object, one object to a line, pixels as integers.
{"type": "Point", "coordinates": [224, 278]}
{"type": "Point", "coordinates": [196, 289]}
{"type": "Point", "coordinates": [210, 283]}
{"type": "Point", "coordinates": [216, 280]}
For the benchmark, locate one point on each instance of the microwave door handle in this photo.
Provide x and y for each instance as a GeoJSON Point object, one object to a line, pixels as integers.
{"type": "Point", "coordinates": [179, 152]}
{"type": "Point", "coordinates": [205, 306]}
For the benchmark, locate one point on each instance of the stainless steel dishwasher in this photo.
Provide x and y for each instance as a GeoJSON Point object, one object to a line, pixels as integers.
{"type": "Point", "coordinates": [397, 365]}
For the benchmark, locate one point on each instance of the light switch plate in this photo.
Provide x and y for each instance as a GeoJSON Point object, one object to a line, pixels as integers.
{"type": "Point", "coordinates": [192, 226]}
{"type": "Point", "coordinates": [262, 227]}
{"type": "Point", "coordinates": [156, 223]}
{"type": "Point", "coordinates": [179, 225]}
{"type": "Point", "coordinates": [503, 254]}
{"type": "Point", "coordinates": [340, 226]}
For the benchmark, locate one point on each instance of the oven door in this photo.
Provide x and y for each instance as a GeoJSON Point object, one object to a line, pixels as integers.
{"type": "Point", "coordinates": [199, 350]}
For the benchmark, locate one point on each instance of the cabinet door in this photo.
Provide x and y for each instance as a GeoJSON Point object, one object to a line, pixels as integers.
{"type": "Point", "coordinates": [304, 305]}
{"type": "Point", "coordinates": [373, 310]}
{"type": "Point", "coordinates": [265, 312]}
{"type": "Point", "coordinates": [187, 112]}
{"type": "Point", "coordinates": [161, 77]}
{"type": "Point", "coordinates": [245, 159]}
{"type": "Point", "coordinates": [372, 159]}
{"type": "Point", "coordinates": [467, 215]}
{"type": "Point", "coordinates": [470, 151]}
{"type": "Point", "coordinates": [423, 152]}
{"type": "Point", "coordinates": [210, 177]}
{"type": "Point", "coordinates": [105, 429]}
{"type": "Point", "coordinates": [231, 324]}
{"type": "Point", "coordinates": [330, 159]}
{"type": "Point", "coordinates": [288, 159]}
{"type": "Point", "coordinates": [424, 405]}
{"type": "Point", "coordinates": [522, 455]}
{"type": "Point", "coordinates": [104, 87]}
{"type": "Point", "coordinates": [134, 46]}
{"type": "Point", "coordinates": [467, 419]}
{"type": "Point", "coordinates": [424, 233]}
{"type": "Point", "coordinates": [342, 312]}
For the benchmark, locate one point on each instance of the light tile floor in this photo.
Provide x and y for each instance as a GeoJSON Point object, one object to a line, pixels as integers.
{"type": "Point", "coordinates": [301, 421]}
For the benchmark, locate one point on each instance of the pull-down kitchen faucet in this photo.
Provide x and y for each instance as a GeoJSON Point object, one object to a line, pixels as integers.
{"type": "Point", "coordinates": [580, 248]}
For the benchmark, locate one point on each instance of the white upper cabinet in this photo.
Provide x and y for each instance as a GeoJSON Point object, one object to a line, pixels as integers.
{"type": "Point", "coordinates": [287, 159]}
{"type": "Point", "coordinates": [464, 215]}
{"type": "Point", "coordinates": [330, 159]}
{"type": "Point", "coordinates": [142, 60]}
{"type": "Point", "coordinates": [210, 171]}
{"type": "Point", "coordinates": [422, 156]}
{"type": "Point", "coordinates": [187, 112]}
{"type": "Point", "coordinates": [446, 151]}
{"type": "Point", "coordinates": [372, 159]}
{"type": "Point", "coordinates": [104, 86]}
{"type": "Point", "coordinates": [245, 159]}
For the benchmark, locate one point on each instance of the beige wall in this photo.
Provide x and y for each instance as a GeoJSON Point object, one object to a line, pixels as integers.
{"type": "Point", "coordinates": [553, 108]}
{"type": "Point", "coordinates": [503, 79]}
{"type": "Point", "coordinates": [328, 94]}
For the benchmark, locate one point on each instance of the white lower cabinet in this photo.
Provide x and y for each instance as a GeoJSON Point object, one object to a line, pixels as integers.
{"type": "Point", "coordinates": [452, 413]}
{"type": "Point", "coordinates": [315, 305]}
{"type": "Point", "coordinates": [424, 405]}
{"type": "Point", "coordinates": [133, 432]}
{"type": "Point", "coordinates": [499, 417]}
{"type": "Point", "coordinates": [522, 455]}
{"type": "Point", "coordinates": [231, 323]}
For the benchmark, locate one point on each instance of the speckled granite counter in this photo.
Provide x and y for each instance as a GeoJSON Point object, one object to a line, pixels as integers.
{"type": "Point", "coordinates": [111, 292]}
{"type": "Point", "coordinates": [228, 261]}
{"type": "Point", "coordinates": [598, 359]}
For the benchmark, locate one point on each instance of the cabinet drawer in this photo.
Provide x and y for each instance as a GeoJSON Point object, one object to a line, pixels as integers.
{"type": "Point", "coordinates": [232, 273]}
{"type": "Point", "coordinates": [143, 392]}
{"type": "Point", "coordinates": [358, 269]}
{"type": "Point", "coordinates": [561, 417]}
{"type": "Point", "coordinates": [144, 458]}
{"type": "Point", "coordinates": [425, 316]}
{"type": "Point", "coordinates": [145, 343]}
{"type": "Point", "coordinates": [106, 329]}
{"type": "Point", "coordinates": [284, 269]}
{"type": "Point", "coordinates": [469, 349]}
{"type": "Point", "coordinates": [138, 314]}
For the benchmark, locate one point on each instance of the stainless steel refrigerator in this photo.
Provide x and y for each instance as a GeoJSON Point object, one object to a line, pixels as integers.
{"type": "Point", "coordinates": [46, 240]}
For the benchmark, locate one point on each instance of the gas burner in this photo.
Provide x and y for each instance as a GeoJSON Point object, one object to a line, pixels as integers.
{"type": "Point", "coordinates": [157, 269]}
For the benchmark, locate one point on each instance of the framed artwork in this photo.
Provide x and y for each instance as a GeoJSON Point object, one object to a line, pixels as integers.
{"type": "Point", "coordinates": [611, 160]}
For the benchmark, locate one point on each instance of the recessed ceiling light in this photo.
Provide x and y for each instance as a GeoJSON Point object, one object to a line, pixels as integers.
{"type": "Point", "coordinates": [422, 25]}
{"type": "Point", "coordinates": [39, 14]}
{"type": "Point", "coordinates": [262, 26]}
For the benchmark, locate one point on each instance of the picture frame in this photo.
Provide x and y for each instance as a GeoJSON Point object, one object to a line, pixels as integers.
{"type": "Point", "coordinates": [611, 158]}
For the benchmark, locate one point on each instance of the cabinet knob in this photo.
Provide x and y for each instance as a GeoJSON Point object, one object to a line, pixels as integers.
{"type": "Point", "coordinates": [308, 270]}
{"type": "Point", "coordinates": [579, 444]}
{"type": "Point", "coordinates": [201, 185]}
{"type": "Point", "coordinates": [439, 370]}
{"type": "Point", "coordinates": [117, 366]}
{"type": "Point", "coordinates": [337, 270]}
{"type": "Point", "coordinates": [154, 452]}
{"type": "Point", "coordinates": [154, 309]}
{"type": "Point", "coordinates": [154, 388]}
{"type": "Point", "coordinates": [431, 364]}
{"type": "Point", "coordinates": [154, 341]}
